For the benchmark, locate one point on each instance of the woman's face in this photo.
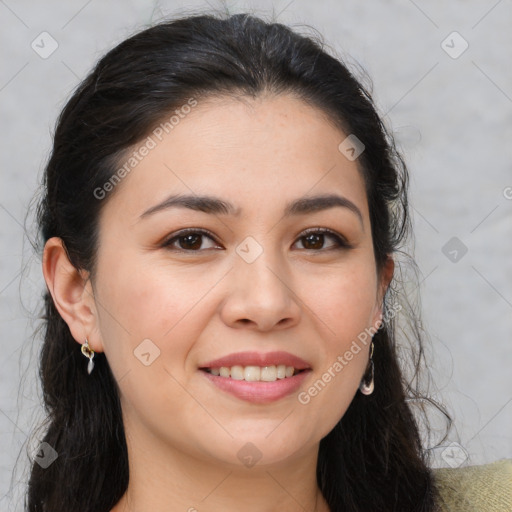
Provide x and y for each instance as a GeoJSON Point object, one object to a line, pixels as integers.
{"type": "Point", "coordinates": [257, 290]}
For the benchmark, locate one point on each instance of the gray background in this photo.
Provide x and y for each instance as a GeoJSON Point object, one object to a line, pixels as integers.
{"type": "Point", "coordinates": [452, 117]}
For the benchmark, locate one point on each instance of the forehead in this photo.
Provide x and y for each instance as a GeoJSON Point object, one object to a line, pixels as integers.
{"type": "Point", "coordinates": [257, 153]}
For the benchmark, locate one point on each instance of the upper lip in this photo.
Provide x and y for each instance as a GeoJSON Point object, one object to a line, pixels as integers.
{"type": "Point", "coordinates": [258, 359]}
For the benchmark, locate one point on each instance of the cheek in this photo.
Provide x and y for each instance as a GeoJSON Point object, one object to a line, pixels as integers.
{"type": "Point", "coordinates": [145, 301]}
{"type": "Point", "coordinates": [344, 301]}
{"type": "Point", "coordinates": [344, 308]}
{"type": "Point", "coordinates": [148, 322]}
{"type": "Point", "coordinates": [160, 303]}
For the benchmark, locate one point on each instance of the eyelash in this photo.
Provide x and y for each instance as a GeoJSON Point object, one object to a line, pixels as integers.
{"type": "Point", "coordinates": [340, 241]}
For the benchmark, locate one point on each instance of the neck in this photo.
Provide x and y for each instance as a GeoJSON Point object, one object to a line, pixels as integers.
{"type": "Point", "coordinates": [166, 479]}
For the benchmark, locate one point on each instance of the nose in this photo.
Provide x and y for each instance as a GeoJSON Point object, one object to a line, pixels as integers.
{"type": "Point", "coordinates": [260, 295]}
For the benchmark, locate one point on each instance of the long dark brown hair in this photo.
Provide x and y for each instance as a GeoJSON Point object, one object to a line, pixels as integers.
{"type": "Point", "coordinates": [373, 459]}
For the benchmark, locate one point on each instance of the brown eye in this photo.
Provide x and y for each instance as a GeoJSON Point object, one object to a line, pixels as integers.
{"type": "Point", "coordinates": [188, 241]}
{"type": "Point", "coordinates": [314, 240]}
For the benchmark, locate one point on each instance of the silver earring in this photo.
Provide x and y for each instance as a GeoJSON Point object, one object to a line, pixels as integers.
{"type": "Point", "coordinates": [89, 353]}
{"type": "Point", "coordinates": [367, 385]}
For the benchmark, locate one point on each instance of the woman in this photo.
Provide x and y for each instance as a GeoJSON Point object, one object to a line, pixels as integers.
{"type": "Point", "coordinates": [222, 213]}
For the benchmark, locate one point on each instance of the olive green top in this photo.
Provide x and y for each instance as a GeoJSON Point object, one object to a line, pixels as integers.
{"type": "Point", "coordinates": [483, 488]}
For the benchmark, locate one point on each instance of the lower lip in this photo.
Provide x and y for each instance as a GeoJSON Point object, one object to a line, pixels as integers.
{"type": "Point", "coordinates": [258, 392]}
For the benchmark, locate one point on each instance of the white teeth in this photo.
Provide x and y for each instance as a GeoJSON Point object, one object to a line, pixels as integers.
{"type": "Point", "coordinates": [254, 373]}
{"type": "Point", "coordinates": [268, 373]}
{"type": "Point", "coordinates": [237, 372]}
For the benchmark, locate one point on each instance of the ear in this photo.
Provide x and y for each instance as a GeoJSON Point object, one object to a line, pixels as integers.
{"type": "Point", "coordinates": [72, 294]}
{"type": "Point", "coordinates": [385, 277]}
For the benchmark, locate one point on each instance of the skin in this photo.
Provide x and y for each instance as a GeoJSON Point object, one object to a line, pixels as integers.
{"type": "Point", "coordinates": [310, 299]}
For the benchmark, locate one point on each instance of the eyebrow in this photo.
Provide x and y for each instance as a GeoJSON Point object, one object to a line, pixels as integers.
{"type": "Point", "coordinates": [216, 206]}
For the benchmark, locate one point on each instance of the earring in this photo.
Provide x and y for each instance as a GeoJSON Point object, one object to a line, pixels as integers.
{"type": "Point", "coordinates": [367, 385]}
{"type": "Point", "coordinates": [89, 353]}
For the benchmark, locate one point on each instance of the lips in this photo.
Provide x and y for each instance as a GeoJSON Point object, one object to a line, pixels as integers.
{"type": "Point", "coordinates": [257, 377]}
{"type": "Point", "coordinates": [258, 359]}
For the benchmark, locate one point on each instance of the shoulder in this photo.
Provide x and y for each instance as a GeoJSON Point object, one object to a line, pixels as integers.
{"type": "Point", "coordinates": [483, 488]}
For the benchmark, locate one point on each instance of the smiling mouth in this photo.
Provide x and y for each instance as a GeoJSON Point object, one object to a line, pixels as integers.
{"type": "Point", "coordinates": [255, 373]}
